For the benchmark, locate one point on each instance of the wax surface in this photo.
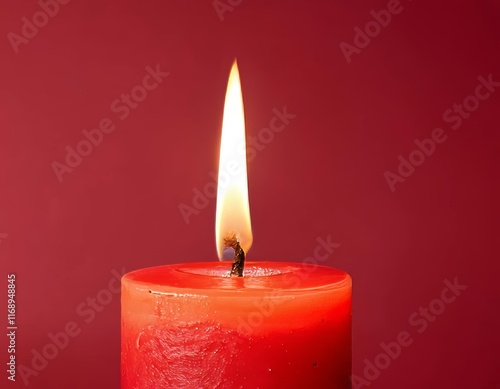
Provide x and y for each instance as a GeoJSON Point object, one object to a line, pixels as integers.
{"type": "Point", "coordinates": [283, 325]}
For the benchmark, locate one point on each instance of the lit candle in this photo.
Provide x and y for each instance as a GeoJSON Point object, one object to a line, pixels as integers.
{"type": "Point", "coordinates": [257, 325]}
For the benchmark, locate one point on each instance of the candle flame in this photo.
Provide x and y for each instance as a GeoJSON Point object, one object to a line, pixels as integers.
{"type": "Point", "coordinates": [233, 210]}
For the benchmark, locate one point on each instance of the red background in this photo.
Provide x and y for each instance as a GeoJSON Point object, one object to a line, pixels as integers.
{"type": "Point", "coordinates": [323, 175]}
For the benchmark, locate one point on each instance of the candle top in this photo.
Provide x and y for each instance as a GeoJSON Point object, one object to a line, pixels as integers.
{"type": "Point", "coordinates": [259, 277]}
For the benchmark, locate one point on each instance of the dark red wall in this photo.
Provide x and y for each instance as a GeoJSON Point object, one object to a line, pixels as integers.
{"type": "Point", "coordinates": [332, 170]}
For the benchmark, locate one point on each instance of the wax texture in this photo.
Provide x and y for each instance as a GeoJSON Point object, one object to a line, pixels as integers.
{"type": "Point", "coordinates": [283, 325]}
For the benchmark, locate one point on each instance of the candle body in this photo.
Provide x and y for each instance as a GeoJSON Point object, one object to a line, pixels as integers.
{"type": "Point", "coordinates": [281, 326]}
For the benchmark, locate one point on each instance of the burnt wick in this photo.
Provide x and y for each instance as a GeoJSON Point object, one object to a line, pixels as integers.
{"type": "Point", "coordinates": [231, 241]}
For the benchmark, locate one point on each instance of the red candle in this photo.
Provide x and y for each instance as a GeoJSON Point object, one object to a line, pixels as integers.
{"type": "Point", "coordinates": [282, 325]}
{"type": "Point", "coordinates": [205, 325]}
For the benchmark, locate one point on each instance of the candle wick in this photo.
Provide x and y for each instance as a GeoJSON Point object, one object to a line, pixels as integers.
{"type": "Point", "coordinates": [231, 240]}
{"type": "Point", "coordinates": [239, 261]}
